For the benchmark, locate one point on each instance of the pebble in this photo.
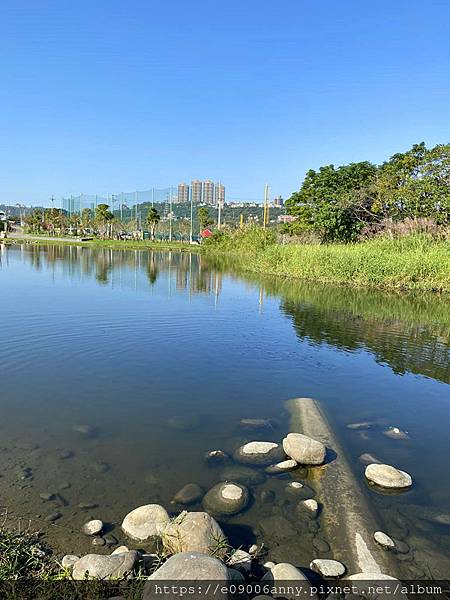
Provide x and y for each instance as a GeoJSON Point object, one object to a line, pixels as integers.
{"type": "Point", "coordinates": [320, 544]}
{"type": "Point", "coordinates": [98, 541]}
{"type": "Point", "coordinates": [46, 497]}
{"type": "Point", "coordinates": [384, 540]}
{"type": "Point", "coordinates": [87, 505]}
{"type": "Point", "coordinates": [53, 517]}
{"type": "Point", "coordinates": [327, 567]}
{"type": "Point", "coordinates": [92, 527]}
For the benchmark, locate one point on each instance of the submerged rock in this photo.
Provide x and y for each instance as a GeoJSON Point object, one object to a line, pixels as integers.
{"type": "Point", "coordinates": [310, 507]}
{"type": "Point", "coordinates": [65, 454]}
{"type": "Point", "coordinates": [367, 459]}
{"type": "Point", "coordinates": [388, 476]}
{"type": "Point", "coordinates": [360, 426]}
{"type": "Point", "coordinates": [105, 567]}
{"type": "Point", "coordinates": [259, 453]}
{"type": "Point", "coordinates": [384, 540]}
{"type": "Point", "coordinates": [244, 475]}
{"type": "Point", "coordinates": [145, 522]}
{"type": "Point", "coordinates": [252, 424]}
{"type": "Point", "coordinates": [327, 567]}
{"type": "Point", "coordinates": [187, 566]}
{"type": "Point", "coordinates": [282, 467]}
{"type": "Point", "coordinates": [184, 422]}
{"type": "Point", "coordinates": [304, 449]}
{"type": "Point", "coordinates": [194, 532]}
{"type": "Point", "coordinates": [226, 498]}
{"type": "Point", "coordinates": [395, 433]}
{"type": "Point", "coordinates": [92, 527]}
{"type": "Point", "coordinates": [189, 494]}
{"type": "Point", "coordinates": [85, 430]}
{"type": "Point", "coordinates": [216, 457]}
{"type": "Point", "coordinates": [87, 505]}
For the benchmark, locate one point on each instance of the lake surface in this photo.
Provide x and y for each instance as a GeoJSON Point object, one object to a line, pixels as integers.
{"type": "Point", "coordinates": [162, 355]}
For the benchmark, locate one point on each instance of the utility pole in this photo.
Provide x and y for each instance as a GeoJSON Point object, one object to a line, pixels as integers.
{"type": "Point", "coordinates": [192, 217]}
{"type": "Point", "coordinates": [170, 215]}
{"type": "Point", "coordinates": [153, 196]}
{"type": "Point", "coordinates": [219, 214]}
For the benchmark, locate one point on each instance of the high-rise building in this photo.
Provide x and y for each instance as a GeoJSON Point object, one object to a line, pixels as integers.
{"type": "Point", "coordinates": [197, 191]}
{"type": "Point", "coordinates": [183, 192]}
{"type": "Point", "coordinates": [278, 202]}
{"type": "Point", "coordinates": [208, 192]}
{"type": "Point", "coordinates": [219, 195]}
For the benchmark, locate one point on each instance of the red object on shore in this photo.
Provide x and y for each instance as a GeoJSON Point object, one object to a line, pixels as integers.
{"type": "Point", "coordinates": [206, 233]}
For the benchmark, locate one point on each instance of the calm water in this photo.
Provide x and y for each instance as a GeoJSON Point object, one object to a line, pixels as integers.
{"type": "Point", "coordinates": [135, 345]}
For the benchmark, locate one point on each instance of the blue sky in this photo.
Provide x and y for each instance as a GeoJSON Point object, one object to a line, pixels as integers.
{"type": "Point", "coordinates": [111, 96]}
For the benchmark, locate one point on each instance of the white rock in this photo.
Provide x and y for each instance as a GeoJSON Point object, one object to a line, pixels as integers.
{"type": "Point", "coordinates": [259, 453]}
{"type": "Point", "coordinates": [69, 560]}
{"type": "Point", "coordinates": [120, 550]}
{"type": "Point", "coordinates": [304, 449]}
{"type": "Point", "coordinates": [310, 505]}
{"type": "Point", "coordinates": [187, 566]}
{"type": "Point", "coordinates": [327, 567]}
{"type": "Point", "coordinates": [226, 498]}
{"type": "Point", "coordinates": [388, 476]}
{"type": "Point", "coordinates": [253, 549]}
{"type": "Point", "coordinates": [194, 532]}
{"type": "Point", "coordinates": [395, 433]}
{"type": "Point", "coordinates": [105, 567]}
{"type": "Point", "coordinates": [241, 560]}
{"type": "Point", "coordinates": [281, 573]}
{"type": "Point", "coordinates": [383, 539]}
{"type": "Point", "coordinates": [92, 527]}
{"type": "Point", "coordinates": [282, 467]}
{"type": "Point", "coordinates": [269, 565]}
{"type": "Point", "coordinates": [145, 522]}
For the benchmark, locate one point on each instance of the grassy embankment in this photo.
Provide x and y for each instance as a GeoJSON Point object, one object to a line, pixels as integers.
{"type": "Point", "coordinates": [112, 244]}
{"type": "Point", "coordinates": [416, 262]}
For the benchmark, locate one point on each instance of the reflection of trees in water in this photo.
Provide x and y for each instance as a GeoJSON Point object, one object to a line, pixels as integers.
{"type": "Point", "coordinates": [408, 332]}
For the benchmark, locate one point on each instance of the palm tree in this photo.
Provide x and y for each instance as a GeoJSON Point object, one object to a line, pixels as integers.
{"type": "Point", "coordinates": [153, 218]}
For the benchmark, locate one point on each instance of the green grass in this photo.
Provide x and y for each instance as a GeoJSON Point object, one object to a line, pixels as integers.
{"type": "Point", "coordinates": [416, 262]}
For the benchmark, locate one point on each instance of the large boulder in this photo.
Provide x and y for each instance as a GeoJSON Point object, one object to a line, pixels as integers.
{"type": "Point", "coordinates": [188, 566]}
{"type": "Point", "coordinates": [97, 566]}
{"type": "Point", "coordinates": [145, 522]}
{"type": "Point", "coordinates": [304, 449]}
{"type": "Point", "coordinates": [226, 498]}
{"type": "Point", "coordinates": [388, 476]}
{"type": "Point", "coordinates": [259, 453]}
{"type": "Point", "coordinates": [194, 532]}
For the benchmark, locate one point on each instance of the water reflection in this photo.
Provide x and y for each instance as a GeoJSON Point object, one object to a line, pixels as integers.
{"type": "Point", "coordinates": [410, 333]}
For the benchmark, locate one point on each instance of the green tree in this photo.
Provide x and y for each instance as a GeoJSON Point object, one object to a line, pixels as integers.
{"type": "Point", "coordinates": [103, 219]}
{"type": "Point", "coordinates": [204, 218]}
{"type": "Point", "coordinates": [152, 220]}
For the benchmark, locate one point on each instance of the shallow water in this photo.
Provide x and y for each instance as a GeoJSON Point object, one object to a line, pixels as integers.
{"type": "Point", "coordinates": [163, 354]}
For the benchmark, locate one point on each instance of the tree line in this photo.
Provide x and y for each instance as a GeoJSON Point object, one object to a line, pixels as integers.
{"type": "Point", "coordinates": [342, 203]}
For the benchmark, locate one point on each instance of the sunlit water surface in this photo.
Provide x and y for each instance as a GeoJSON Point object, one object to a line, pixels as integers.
{"type": "Point", "coordinates": [163, 354]}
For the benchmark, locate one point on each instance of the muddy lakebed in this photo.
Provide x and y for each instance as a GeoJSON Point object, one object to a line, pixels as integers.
{"type": "Point", "coordinates": [122, 370]}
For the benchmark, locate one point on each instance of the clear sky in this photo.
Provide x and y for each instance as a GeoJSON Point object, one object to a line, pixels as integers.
{"type": "Point", "coordinates": [105, 96]}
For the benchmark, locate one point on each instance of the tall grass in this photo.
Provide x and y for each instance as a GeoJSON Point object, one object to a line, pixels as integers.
{"type": "Point", "coordinates": [417, 262]}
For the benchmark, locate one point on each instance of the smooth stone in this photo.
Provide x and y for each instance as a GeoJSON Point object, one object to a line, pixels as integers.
{"type": "Point", "coordinates": [251, 424]}
{"type": "Point", "coordinates": [216, 457]}
{"type": "Point", "coordinates": [241, 560]}
{"type": "Point", "coordinates": [282, 467]}
{"type": "Point", "coordinates": [187, 566]}
{"type": "Point", "coordinates": [100, 566]}
{"type": "Point", "coordinates": [401, 547]}
{"type": "Point", "coordinates": [111, 540]}
{"type": "Point", "coordinates": [276, 526]}
{"type": "Point", "coordinates": [120, 550]}
{"type": "Point", "coordinates": [235, 576]}
{"type": "Point", "coordinates": [194, 532]}
{"type": "Point", "coordinates": [259, 453]}
{"type": "Point", "coordinates": [53, 517]}
{"type": "Point", "coordinates": [92, 527]}
{"type": "Point", "coordinates": [395, 433]}
{"type": "Point", "coordinates": [145, 522]}
{"type": "Point", "coordinates": [360, 426]}
{"type": "Point", "coordinates": [388, 476]}
{"type": "Point", "coordinates": [189, 494]}
{"type": "Point", "coordinates": [253, 549]}
{"type": "Point", "coordinates": [64, 454]}
{"type": "Point", "coordinates": [184, 422]}
{"type": "Point", "coordinates": [441, 519]}
{"type": "Point", "coordinates": [244, 475]}
{"type": "Point", "coordinates": [327, 567]}
{"type": "Point", "coordinates": [100, 467]}
{"type": "Point", "coordinates": [367, 459]}
{"type": "Point", "coordinates": [310, 505]}
{"type": "Point", "coordinates": [304, 449]}
{"type": "Point", "coordinates": [47, 497]}
{"type": "Point", "coordinates": [384, 540]}
{"type": "Point", "coordinates": [98, 541]}
{"type": "Point", "coordinates": [226, 498]}
{"type": "Point", "coordinates": [87, 505]}
{"type": "Point", "coordinates": [282, 573]}
{"type": "Point", "coordinates": [320, 544]}
{"type": "Point", "coordinates": [86, 430]}
{"type": "Point", "coordinates": [269, 565]}
{"type": "Point", "coordinates": [69, 560]}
